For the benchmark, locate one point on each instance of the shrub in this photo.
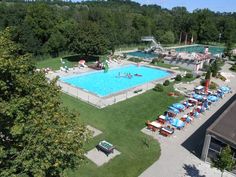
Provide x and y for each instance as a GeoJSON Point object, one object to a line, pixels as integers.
{"type": "Point", "coordinates": [141, 48]}
{"type": "Point", "coordinates": [221, 77]}
{"type": "Point", "coordinates": [213, 86]}
{"type": "Point", "coordinates": [178, 78]}
{"type": "Point", "coordinates": [136, 60]}
{"type": "Point", "coordinates": [155, 61]}
{"type": "Point", "coordinates": [166, 83]}
{"type": "Point", "coordinates": [159, 88]}
{"type": "Point", "coordinates": [189, 75]}
{"type": "Point", "coordinates": [198, 76]}
{"type": "Point", "coordinates": [202, 82]}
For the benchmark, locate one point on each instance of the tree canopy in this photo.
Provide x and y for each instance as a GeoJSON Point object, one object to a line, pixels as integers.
{"type": "Point", "coordinates": [38, 136]}
{"type": "Point", "coordinates": [93, 27]}
{"type": "Point", "coordinates": [224, 161]}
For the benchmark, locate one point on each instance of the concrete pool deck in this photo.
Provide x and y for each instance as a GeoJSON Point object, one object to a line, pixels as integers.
{"type": "Point", "coordinates": [101, 102]}
{"type": "Point", "coordinates": [180, 152]}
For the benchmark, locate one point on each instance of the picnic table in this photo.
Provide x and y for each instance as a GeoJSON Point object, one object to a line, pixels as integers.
{"type": "Point", "coordinates": [161, 119]}
{"type": "Point", "coordinates": [166, 131]}
{"type": "Point", "coordinates": [156, 124]}
{"type": "Point", "coordinates": [106, 147]}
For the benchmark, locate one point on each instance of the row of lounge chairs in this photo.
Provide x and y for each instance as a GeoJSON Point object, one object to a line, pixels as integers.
{"type": "Point", "coordinates": [196, 104]}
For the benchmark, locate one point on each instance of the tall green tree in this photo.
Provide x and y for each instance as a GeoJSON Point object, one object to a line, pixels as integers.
{"type": "Point", "coordinates": [88, 40]}
{"type": "Point", "coordinates": [224, 160]}
{"type": "Point", "coordinates": [38, 136]}
{"type": "Point", "coordinates": [215, 68]}
{"type": "Point", "coordinates": [208, 75]}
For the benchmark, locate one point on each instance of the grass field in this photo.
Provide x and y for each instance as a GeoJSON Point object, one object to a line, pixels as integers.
{"type": "Point", "coordinates": [121, 124]}
{"type": "Point", "coordinates": [165, 65]}
{"type": "Point", "coordinates": [54, 63]}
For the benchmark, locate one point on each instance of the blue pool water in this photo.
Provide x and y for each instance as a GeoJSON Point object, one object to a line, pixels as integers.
{"type": "Point", "coordinates": [141, 54]}
{"type": "Point", "coordinates": [200, 49]}
{"type": "Point", "coordinates": [115, 80]}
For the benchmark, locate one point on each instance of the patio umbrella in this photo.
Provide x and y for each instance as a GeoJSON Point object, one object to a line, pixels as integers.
{"type": "Point", "coordinates": [176, 111]}
{"type": "Point", "coordinates": [196, 114]}
{"type": "Point", "coordinates": [178, 106]}
{"type": "Point", "coordinates": [82, 62]}
{"type": "Point", "coordinates": [212, 98]}
{"type": "Point", "coordinates": [225, 89]}
{"type": "Point", "coordinates": [197, 97]}
{"type": "Point", "coordinates": [177, 123]}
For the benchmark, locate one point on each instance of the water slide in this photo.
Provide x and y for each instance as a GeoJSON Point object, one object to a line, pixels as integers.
{"type": "Point", "coordinates": [106, 67]}
{"type": "Point", "coordinates": [154, 44]}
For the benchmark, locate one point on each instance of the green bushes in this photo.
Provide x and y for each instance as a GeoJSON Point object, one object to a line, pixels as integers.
{"type": "Point", "coordinates": [136, 60]}
{"type": "Point", "coordinates": [166, 83]}
{"type": "Point", "coordinates": [189, 75]}
{"type": "Point", "coordinates": [141, 48]}
{"type": "Point", "coordinates": [159, 88]}
{"type": "Point", "coordinates": [178, 77]}
{"type": "Point", "coordinates": [202, 82]}
{"type": "Point", "coordinates": [198, 76]}
{"type": "Point", "coordinates": [155, 61]}
{"type": "Point", "coordinates": [221, 77]}
{"type": "Point", "coordinates": [213, 86]}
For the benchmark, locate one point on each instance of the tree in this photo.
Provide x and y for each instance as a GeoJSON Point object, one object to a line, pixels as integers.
{"type": "Point", "coordinates": [208, 75]}
{"type": "Point", "coordinates": [38, 136]}
{"type": "Point", "coordinates": [215, 68]}
{"type": "Point", "coordinates": [168, 38]}
{"type": "Point", "coordinates": [224, 160]}
{"type": "Point", "coordinates": [88, 40]}
{"type": "Point", "coordinates": [228, 49]}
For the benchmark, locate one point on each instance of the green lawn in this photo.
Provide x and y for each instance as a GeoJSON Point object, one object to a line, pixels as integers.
{"type": "Point", "coordinates": [168, 66]}
{"type": "Point", "coordinates": [121, 124]}
{"type": "Point", "coordinates": [54, 63]}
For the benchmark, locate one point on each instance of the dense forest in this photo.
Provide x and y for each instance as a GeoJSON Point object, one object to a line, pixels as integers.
{"type": "Point", "coordinates": [94, 27]}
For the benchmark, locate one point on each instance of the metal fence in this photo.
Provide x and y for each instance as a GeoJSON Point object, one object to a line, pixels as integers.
{"type": "Point", "coordinates": [101, 102]}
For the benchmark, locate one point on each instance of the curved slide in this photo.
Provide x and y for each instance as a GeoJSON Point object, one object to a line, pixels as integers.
{"type": "Point", "coordinates": [106, 67]}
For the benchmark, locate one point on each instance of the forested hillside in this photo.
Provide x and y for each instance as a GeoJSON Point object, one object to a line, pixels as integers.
{"type": "Point", "coordinates": [93, 27]}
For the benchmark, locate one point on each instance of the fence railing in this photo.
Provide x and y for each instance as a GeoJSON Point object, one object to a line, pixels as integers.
{"type": "Point", "coordinates": [101, 102]}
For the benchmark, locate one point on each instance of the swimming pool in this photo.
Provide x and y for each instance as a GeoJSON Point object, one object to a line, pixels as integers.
{"type": "Point", "coordinates": [141, 54]}
{"type": "Point", "coordinates": [115, 80]}
{"type": "Point", "coordinates": [200, 49]}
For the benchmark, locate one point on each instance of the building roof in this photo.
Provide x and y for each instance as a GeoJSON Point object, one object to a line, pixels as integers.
{"type": "Point", "coordinates": [225, 125]}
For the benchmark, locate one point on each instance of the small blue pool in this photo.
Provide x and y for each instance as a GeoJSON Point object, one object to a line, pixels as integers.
{"type": "Point", "coordinates": [115, 80]}
{"type": "Point", "coordinates": [141, 54]}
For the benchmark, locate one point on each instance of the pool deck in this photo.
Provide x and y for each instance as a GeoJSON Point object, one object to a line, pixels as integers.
{"type": "Point", "coordinates": [180, 153]}
{"type": "Point", "coordinates": [101, 102]}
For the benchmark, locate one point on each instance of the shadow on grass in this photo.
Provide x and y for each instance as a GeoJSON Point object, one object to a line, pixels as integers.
{"type": "Point", "coordinates": [191, 170]}
{"type": "Point", "coordinates": [195, 142]}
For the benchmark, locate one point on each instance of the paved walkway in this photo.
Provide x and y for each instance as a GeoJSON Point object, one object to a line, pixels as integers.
{"type": "Point", "coordinates": [180, 153]}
